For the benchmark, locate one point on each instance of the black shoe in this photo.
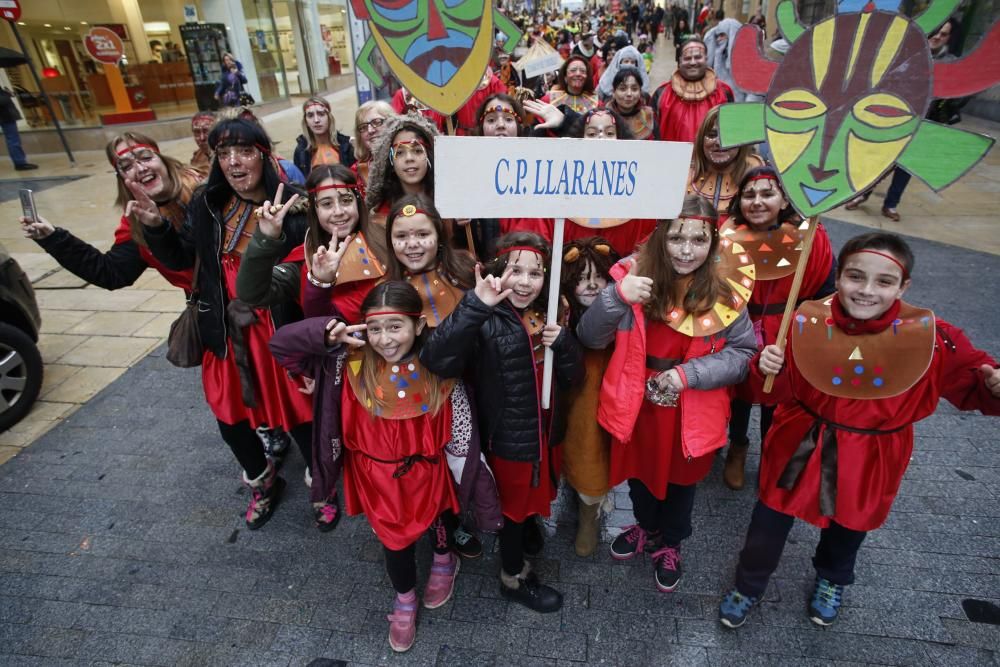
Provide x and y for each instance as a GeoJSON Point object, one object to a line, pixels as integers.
{"type": "Point", "coordinates": [532, 540]}
{"type": "Point", "coordinates": [466, 544]}
{"type": "Point", "coordinates": [667, 562]}
{"type": "Point", "coordinates": [533, 594]}
{"type": "Point", "coordinates": [634, 540]}
{"type": "Point", "coordinates": [27, 166]}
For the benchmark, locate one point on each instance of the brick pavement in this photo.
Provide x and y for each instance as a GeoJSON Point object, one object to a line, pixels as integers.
{"type": "Point", "coordinates": [121, 542]}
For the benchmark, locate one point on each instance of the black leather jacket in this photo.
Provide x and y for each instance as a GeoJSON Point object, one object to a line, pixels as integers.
{"type": "Point", "coordinates": [202, 236]}
{"type": "Point", "coordinates": [493, 347]}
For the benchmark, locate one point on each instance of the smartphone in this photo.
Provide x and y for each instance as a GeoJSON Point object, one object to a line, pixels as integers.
{"type": "Point", "coordinates": [28, 205]}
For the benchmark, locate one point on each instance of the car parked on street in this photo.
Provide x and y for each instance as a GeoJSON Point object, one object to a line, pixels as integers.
{"type": "Point", "coordinates": [21, 366]}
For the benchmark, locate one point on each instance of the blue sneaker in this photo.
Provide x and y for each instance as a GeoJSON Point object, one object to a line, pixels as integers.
{"type": "Point", "coordinates": [825, 603]}
{"type": "Point", "coordinates": [734, 609]}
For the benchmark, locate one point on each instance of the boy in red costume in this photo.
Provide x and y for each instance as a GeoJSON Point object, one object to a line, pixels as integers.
{"type": "Point", "coordinates": [859, 369]}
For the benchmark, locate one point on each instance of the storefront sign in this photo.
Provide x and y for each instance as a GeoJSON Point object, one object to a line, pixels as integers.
{"type": "Point", "coordinates": [10, 10]}
{"type": "Point", "coordinates": [489, 177]}
{"type": "Point", "coordinates": [104, 45]}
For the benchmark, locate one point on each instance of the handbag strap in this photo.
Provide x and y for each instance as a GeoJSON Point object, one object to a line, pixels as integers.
{"type": "Point", "coordinates": [193, 296]}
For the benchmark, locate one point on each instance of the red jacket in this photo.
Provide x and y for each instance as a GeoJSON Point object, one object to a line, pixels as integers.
{"type": "Point", "coordinates": [704, 404]}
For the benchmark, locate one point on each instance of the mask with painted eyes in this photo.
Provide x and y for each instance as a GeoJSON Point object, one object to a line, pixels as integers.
{"type": "Point", "coordinates": [848, 102]}
{"type": "Point", "coordinates": [438, 49]}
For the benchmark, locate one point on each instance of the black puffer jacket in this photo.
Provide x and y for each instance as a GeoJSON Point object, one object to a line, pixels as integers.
{"type": "Point", "coordinates": [303, 156]}
{"type": "Point", "coordinates": [494, 347]}
{"type": "Point", "coordinates": [202, 235]}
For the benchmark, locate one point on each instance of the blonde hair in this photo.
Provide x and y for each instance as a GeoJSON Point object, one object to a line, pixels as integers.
{"type": "Point", "coordinates": [384, 109]}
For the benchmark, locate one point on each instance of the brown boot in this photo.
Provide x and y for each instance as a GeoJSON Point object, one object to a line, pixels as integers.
{"type": "Point", "coordinates": [588, 529]}
{"type": "Point", "coordinates": [736, 459]}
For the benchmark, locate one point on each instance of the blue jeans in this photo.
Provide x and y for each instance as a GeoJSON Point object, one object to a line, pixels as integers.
{"type": "Point", "coordinates": [900, 179]}
{"type": "Point", "coordinates": [834, 559]}
{"type": "Point", "coordinates": [13, 139]}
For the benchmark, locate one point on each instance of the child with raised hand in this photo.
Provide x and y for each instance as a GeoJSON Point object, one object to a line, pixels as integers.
{"type": "Point", "coordinates": [497, 334]}
{"type": "Point", "coordinates": [766, 226]}
{"type": "Point", "coordinates": [403, 428]}
{"type": "Point", "coordinates": [677, 317]}
{"type": "Point", "coordinates": [586, 449]}
{"type": "Point", "coordinates": [859, 368]}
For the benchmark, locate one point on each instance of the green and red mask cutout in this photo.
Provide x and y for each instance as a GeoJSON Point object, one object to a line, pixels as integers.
{"type": "Point", "coordinates": [438, 49]}
{"type": "Point", "coordinates": [849, 99]}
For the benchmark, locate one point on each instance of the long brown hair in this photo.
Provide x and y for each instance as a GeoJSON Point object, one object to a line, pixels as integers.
{"type": "Point", "coordinates": [453, 262]}
{"type": "Point", "coordinates": [653, 261]}
{"type": "Point", "coordinates": [320, 237]}
{"type": "Point", "coordinates": [399, 296]}
{"type": "Point", "coordinates": [737, 168]}
{"type": "Point", "coordinates": [176, 170]}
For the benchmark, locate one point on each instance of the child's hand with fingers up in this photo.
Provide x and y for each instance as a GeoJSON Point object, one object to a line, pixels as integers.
{"type": "Point", "coordinates": [142, 208]}
{"type": "Point", "coordinates": [490, 289]}
{"type": "Point", "coordinates": [271, 217]}
{"type": "Point", "coordinates": [342, 333]}
{"type": "Point", "coordinates": [326, 263]}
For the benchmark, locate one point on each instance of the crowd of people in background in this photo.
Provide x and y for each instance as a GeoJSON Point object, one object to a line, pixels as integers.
{"type": "Point", "coordinates": [338, 309]}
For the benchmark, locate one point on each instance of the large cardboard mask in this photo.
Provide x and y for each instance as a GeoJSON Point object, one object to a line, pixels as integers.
{"type": "Point", "coordinates": [438, 49]}
{"type": "Point", "coordinates": [849, 99]}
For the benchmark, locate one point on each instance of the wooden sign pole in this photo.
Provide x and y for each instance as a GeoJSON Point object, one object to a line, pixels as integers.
{"type": "Point", "coordinates": [793, 296]}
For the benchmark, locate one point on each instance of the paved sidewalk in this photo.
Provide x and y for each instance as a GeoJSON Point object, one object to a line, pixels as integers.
{"type": "Point", "coordinates": [121, 542]}
{"type": "Point", "coordinates": [91, 336]}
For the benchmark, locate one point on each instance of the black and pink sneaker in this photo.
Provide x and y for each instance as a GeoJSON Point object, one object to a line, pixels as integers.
{"type": "Point", "coordinates": [633, 540]}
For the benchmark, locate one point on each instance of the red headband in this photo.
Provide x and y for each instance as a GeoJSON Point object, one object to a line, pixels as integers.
{"type": "Point", "coordinates": [497, 109]}
{"type": "Point", "coordinates": [525, 248]}
{"type": "Point", "coordinates": [409, 211]}
{"type": "Point", "coordinates": [335, 186]}
{"type": "Point", "coordinates": [763, 177]}
{"type": "Point", "coordinates": [392, 312]}
{"type": "Point", "coordinates": [703, 218]}
{"type": "Point", "coordinates": [317, 104]}
{"type": "Point", "coordinates": [906, 274]}
{"type": "Point", "coordinates": [133, 147]}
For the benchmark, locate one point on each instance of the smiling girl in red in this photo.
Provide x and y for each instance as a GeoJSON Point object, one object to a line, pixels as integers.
{"type": "Point", "coordinates": [859, 369]}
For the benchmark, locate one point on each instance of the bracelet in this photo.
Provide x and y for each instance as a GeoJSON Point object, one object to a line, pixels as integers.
{"type": "Point", "coordinates": [317, 283]}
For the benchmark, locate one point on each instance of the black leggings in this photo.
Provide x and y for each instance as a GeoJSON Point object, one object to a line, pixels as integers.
{"type": "Point", "coordinates": [739, 421]}
{"type": "Point", "coordinates": [249, 450]}
{"type": "Point", "coordinates": [402, 564]}
{"type": "Point", "coordinates": [671, 517]}
{"type": "Point", "coordinates": [512, 545]}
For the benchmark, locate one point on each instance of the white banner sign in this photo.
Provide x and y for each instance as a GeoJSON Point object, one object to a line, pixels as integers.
{"type": "Point", "coordinates": [497, 177]}
{"type": "Point", "coordinates": [544, 65]}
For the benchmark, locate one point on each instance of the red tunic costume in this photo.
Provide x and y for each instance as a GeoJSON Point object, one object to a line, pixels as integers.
{"type": "Point", "coordinates": [775, 255]}
{"type": "Point", "coordinates": [541, 226]}
{"type": "Point", "coordinates": [278, 402]}
{"type": "Point", "coordinates": [402, 103]}
{"type": "Point", "coordinates": [518, 498]}
{"type": "Point", "coordinates": [468, 122]}
{"type": "Point", "coordinates": [396, 472]}
{"type": "Point", "coordinates": [867, 467]}
{"type": "Point", "coordinates": [180, 279]}
{"type": "Point", "coordinates": [681, 105]}
{"type": "Point", "coordinates": [654, 455]}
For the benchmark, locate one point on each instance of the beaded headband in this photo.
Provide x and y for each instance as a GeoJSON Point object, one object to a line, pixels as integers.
{"type": "Point", "coordinates": [607, 112]}
{"type": "Point", "coordinates": [497, 109]}
{"type": "Point", "coordinates": [763, 177]}
{"type": "Point", "coordinates": [408, 211]}
{"type": "Point", "coordinates": [906, 274]}
{"type": "Point", "coordinates": [317, 104]}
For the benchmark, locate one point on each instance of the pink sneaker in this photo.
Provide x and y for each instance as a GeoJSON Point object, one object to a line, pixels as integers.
{"type": "Point", "coordinates": [441, 583]}
{"type": "Point", "coordinates": [402, 625]}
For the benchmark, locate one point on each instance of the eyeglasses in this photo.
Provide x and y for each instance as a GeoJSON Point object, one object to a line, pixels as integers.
{"type": "Point", "coordinates": [402, 151]}
{"type": "Point", "coordinates": [243, 153]}
{"type": "Point", "coordinates": [128, 161]}
{"type": "Point", "coordinates": [371, 126]}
